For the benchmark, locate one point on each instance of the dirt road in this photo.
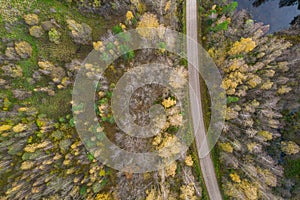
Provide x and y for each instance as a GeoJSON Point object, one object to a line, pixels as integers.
{"type": "Point", "coordinates": [206, 164]}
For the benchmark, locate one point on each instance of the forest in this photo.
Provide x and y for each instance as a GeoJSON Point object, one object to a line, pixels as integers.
{"type": "Point", "coordinates": [45, 44]}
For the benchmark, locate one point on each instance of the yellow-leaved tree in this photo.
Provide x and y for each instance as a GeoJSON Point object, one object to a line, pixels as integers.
{"type": "Point", "coordinates": [290, 147]}
{"type": "Point", "coordinates": [103, 196]}
{"type": "Point", "coordinates": [148, 20]}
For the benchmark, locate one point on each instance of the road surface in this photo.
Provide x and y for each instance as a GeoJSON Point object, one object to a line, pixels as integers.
{"type": "Point", "coordinates": [206, 164]}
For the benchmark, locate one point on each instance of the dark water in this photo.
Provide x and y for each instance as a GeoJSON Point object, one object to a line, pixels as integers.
{"type": "Point", "coordinates": [277, 13]}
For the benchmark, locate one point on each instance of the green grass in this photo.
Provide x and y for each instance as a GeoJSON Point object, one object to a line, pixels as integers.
{"type": "Point", "coordinates": [20, 32]}
{"type": "Point", "coordinates": [197, 169]}
{"type": "Point", "coordinates": [183, 18]}
{"type": "Point", "coordinates": [54, 106]}
{"type": "Point", "coordinates": [43, 49]}
{"type": "Point", "coordinates": [292, 169]}
{"type": "Point", "coordinates": [64, 10]}
{"type": "Point", "coordinates": [215, 153]}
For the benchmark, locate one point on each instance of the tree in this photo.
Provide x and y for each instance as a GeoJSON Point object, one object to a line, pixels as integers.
{"type": "Point", "coordinates": [226, 147]}
{"type": "Point", "coordinates": [129, 16]}
{"type": "Point", "coordinates": [148, 20]}
{"type": "Point", "coordinates": [244, 45]}
{"type": "Point", "coordinates": [290, 147]}
{"type": "Point", "coordinates": [187, 192]}
{"type": "Point", "coordinates": [235, 177]}
{"type": "Point", "coordinates": [103, 196]}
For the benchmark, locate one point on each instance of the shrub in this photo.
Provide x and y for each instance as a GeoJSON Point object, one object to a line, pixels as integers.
{"type": "Point", "coordinates": [54, 36]}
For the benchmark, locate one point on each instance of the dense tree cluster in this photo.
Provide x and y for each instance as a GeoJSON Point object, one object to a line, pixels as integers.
{"type": "Point", "coordinates": [256, 82]}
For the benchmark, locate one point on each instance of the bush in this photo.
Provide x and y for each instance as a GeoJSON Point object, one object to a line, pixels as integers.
{"type": "Point", "coordinates": [23, 49]}
{"type": "Point", "coordinates": [31, 19]}
{"type": "Point", "coordinates": [117, 29]}
{"type": "Point", "coordinates": [54, 36]}
{"type": "Point", "coordinates": [36, 31]}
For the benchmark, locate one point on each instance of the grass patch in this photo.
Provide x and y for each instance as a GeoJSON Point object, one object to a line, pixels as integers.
{"type": "Point", "coordinates": [43, 49]}
{"type": "Point", "coordinates": [292, 169]}
{"type": "Point", "coordinates": [65, 10]}
{"type": "Point", "coordinates": [53, 106]}
{"type": "Point", "coordinates": [19, 32]}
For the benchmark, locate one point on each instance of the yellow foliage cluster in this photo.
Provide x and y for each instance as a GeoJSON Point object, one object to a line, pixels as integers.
{"type": "Point", "coordinates": [153, 195]}
{"type": "Point", "coordinates": [6, 104]}
{"type": "Point", "coordinates": [255, 103]}
{"type": "Point", "coordinates": [189, 161]}
{"type": "Point", "coordinates": [284, 89]}
{"type": "Point", "coordinates": [19, 128]}
{"type": "Point", "coordinates": [168, 102]}
{"type": "Point", "coordinates": [168, 6]}
{"type": "Point", "coordinates": [175, 118]}
{"type": "Point", "coordinates": [267, 85]}
{"type": "Point", "coordinates": [244, 45]}
{"type": "Point", "coordinates": [32, 147]}
{"type": "Point", "coordinates": [16, 71]}
{"type": "Point", "coordinates": [170, 146]}
{"type": "Point", "coordinates": [15, 187]}
{"type": "Point", "coordinates": [36, 31]}
{"type": "Point", "coordinates": [250, 190]}
{"type": "Point", "coordinates": [234, 66]}
{"type": "Point", "coordinates": [23, 49]}
{"type": "Point", "coordinates": [235, 177]}
{"type": "Point", "coordinates": [123, 26]}
{"type": "Point", "coordinates": [231, 82]}
{"type": "Point", "coordinates": [218, 55]}
{"type": "Point", "coordinates": [23, 109]}
{"type": "Point", "coordinates": [187, 192]}
{"type": "Point", "coordinates": [31, 19]}
{"type": "Point", "coordinates": [148, 20]}
{"type": "Point", "coordinates": [227, 147]}
{"type": "Point", "coordinates": [10, 11]}
{"type": "Point", "coordinates": [266, 135]}
{"type": "Point", "coordinates": [157, 140]}
{"type": "Point", "coordinates": [251, 146]}
{"type": "Point", "coordinates": [231, 114]}
{"type": "Point", "coordinates": [283, 66]}
{"type": "Point", "coordinates": [98, 45]}
{"type": "Point", "coordinates": [36, 190]}
{"type": "Point", "coordinates": [254, 81]}
{"type": "Point", "coordinates": [290, 147]}
{"type": "Point", "coordinates": [171, 169]}
{"type": "Point", "coordinates": [46, 65]}
{"type": "Point", "coordinates": [129, 15]}
{"type": "Point", "coordinates": [5, 128]}
{"type": "Point", "coordinates": [102, 172]}
{"type": "Point", "coordinates": [139, 5]}
{"type": "Point", "coordinates": [103, 108]}
{"type": "Point", "coordinates": [269, 73]}
{"type": "Point", "coordinates": [242, 190]}
{"type": "Point", "coordinates": [27, 165]}
{"type": "Point", "coordinates": [269, 178]}
{"type": "Point", "coordinates": [103, 196]}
